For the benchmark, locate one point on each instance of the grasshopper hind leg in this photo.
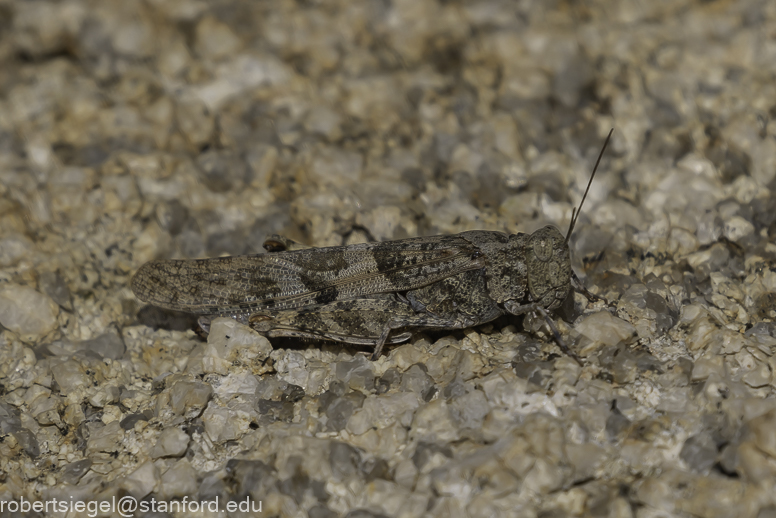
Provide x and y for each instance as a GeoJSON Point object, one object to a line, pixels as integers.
{"type": "Point", "coordinates": [456, 302]}
{"type": "Point", "coordinates": [356, 321]}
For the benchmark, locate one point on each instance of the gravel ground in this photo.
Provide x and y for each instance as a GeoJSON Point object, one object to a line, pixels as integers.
{"type": "Point", "coordinates": [132, 131]}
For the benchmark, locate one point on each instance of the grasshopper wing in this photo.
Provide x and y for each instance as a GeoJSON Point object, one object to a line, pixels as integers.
{"type": "Point", "coordinates": [287, 280]}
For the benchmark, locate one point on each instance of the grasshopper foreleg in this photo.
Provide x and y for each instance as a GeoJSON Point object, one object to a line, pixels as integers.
{"type": "Point", "coordinates": [578, 286]}
{"type": "Point", "coordinates": [535, 307]}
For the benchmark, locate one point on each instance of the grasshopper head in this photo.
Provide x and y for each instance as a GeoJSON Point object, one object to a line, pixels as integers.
{"type": "Point", "coordinates": [549, 267]}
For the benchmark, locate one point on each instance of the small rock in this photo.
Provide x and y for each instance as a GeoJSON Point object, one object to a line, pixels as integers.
{"type": "Point", "coordinates": [345, 460]}
{"type": "Point", "coordinates": [324, 121]}
{"type": "Point", "coordinates": [222, 171]}
{"type": "Point", "coordinates": [586, 458]}
{"type": "Point", "coordinates": [45, 410]}
{"type": "Point", "coordinates": [214, 39]}
{"type": "Point", "coordinates": [321, 511]}
{"type": "Point", "coordinates": [382, 222]}
{"type": "Point", "coordinates": [129, 422]}
{"type": "Point", "coordinates": [761, 430]}
{"type": "Point", "coordinates": [108, 438]}
{"type": "Point", "coordinates": [189, 398]}
{"type": "Point", "coordinates": [737, 228]}
{"type": "Point", "coordinates": [292, 367]}
{"type": "Point", "coordinates": [70, 377]}
{"type": "Point", "coordinates": [390, 378]}
{"type": "Point", "coordinates": [275, 389]}
{"type": "Point", "coordinates": [338, 168]}
{"type": "Point", "coordinates": [433, 423]}
{"type": "Point", "coordinates": [73, 472]}
{"type": "Point", "coordinates": [230, 341]}
{"type": "Point", "coordinates": [364, 513]}
{"type": "Point", "coordinates": [236, 383]}
{"type": "Point", "coordinates": [133, 399]}
{"type": "Point", "coordinates": [616, 425]}
{"type": "Point", "coordinates": [26, 311]}
{"type": "Point", "coordinates": [291, 393]}
{"type": "Point", "coordinates": [179, 480]}
{"type": "Point", "coordinates": [262, 159]}
{"type": "Point", "coordinates": [74, 414]}
{"type": "Point", "coordinates": [28, 442]}
{"type": "Point", "coordinates": [341, 409]}
{"type": "Point", "coordinates": [224, 424]}
{"type": "Point", "coordinates": [107, 345]}
{"type": "Point", "coordinates": [544, 477]}
{"type": "Point", "coordinates": [13, 248]}
{"type": "Point", "coordinates": [195, 121]}
{"type": "Point", "coordinates": [382, 411]}
{"type": "Point", "coordinates": [429, 456]}
{"type": "Point", "coordinates": [172, 442]}
{"type": "Point", "coordinates": [171, 216]}
{"type": "Point", "coordinates": [605, 329]}
{"type": "Point", "coordinates": [405, 473]}
{"type": "Point", "coordinates": [104, 396]}
{"type": "Point", "coordinates": [358, 373]}
{"type": "Point", "coordinates": [571, 79]}
{"type": "Point", "coordinates": [699, 452]}
{"type": "Point", "coordinates": [253, 477]}
{"type": "Point", "coordinates": [9, 418]}
{"type": "Point", "coordinates": [416, 379]}
{"type": "Point", "coordinates": [141, 481]}
{"type": "Point", "coordinates": [55, 287]}
{"type": "Point", "coordinates": [470, 409]}
{"type": "Point", "coordinates": [706, 367]}
{"type": "Point", "coordinates": [535, 372]}
{"type": "Point", "coordinates": [272, 411]}
{"type": "Point", "coordinates": [760, 376]}
{"type": "Point", "coordinates": [134, 39]}
{"type": "Point", "coordinates": [702, 329]}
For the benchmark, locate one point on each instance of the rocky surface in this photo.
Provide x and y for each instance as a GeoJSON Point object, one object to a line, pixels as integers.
{"type": "Point", "coordinates": [131, 131]}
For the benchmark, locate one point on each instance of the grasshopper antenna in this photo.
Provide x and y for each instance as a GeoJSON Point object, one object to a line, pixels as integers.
{"type": "Point", "coordinates": [575, 212]}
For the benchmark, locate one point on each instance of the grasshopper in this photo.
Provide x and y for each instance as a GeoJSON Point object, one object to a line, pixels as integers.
{"type": "Point", "coordinates": [374, 293]}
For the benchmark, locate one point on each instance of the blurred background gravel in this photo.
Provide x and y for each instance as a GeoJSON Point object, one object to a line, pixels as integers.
{"type": "Point", "coordinates": [131, 131]}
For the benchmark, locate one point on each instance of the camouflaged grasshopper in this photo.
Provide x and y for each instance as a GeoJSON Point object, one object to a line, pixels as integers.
{"type": "Point", "coordinates": [374, 293]}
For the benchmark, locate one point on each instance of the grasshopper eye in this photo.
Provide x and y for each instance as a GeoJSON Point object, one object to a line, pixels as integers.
{"type": "Point", "coordinates": [543, 248]}
{"type": "Point", "coordinates": [548, 242]}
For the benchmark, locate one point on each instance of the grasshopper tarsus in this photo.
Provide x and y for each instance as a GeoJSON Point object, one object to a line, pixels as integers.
{"type": "Point", "coordinates": [558, 338]}
{"type": "Point", "coordinates": [203, 326]}
{"type": "Point", "coordinates": [277, 243]}
{"type": "Point", "coordinates": [579, 287]}
{"type": "Point", "coordinates": [380, 342]}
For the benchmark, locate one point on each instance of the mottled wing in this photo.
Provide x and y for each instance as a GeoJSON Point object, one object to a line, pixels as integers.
{"type": "Point", "coordinates": [287, 280]}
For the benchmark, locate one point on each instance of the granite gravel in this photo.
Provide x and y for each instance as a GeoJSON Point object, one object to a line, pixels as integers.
{"type": "Point", "coordinates": [133, 131]}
